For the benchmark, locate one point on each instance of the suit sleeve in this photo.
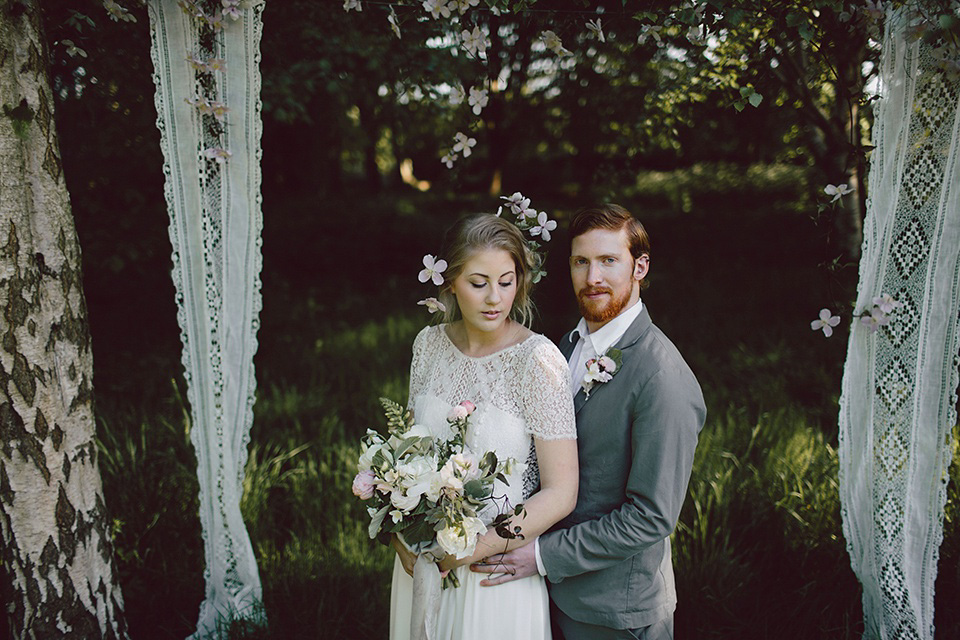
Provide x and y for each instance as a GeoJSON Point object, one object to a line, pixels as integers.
{"type": "Point", "coordinates": [667, 417]}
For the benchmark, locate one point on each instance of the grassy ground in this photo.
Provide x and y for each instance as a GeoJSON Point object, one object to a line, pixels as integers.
{"type": "Point", "coordinates": [758, 552]}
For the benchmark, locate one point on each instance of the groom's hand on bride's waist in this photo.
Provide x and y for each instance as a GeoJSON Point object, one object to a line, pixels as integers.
{"type": "Point", "coordinates": [505, 567]}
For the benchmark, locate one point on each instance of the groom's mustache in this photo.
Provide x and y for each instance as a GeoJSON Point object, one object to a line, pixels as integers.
{"type": "Point", "coordinates": [589, 291]}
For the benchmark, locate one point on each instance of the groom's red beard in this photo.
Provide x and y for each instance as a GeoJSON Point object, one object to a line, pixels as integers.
{"type": "Point", "coordinates": [599, 311]}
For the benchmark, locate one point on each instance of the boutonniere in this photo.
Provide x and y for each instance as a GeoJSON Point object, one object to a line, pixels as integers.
{"type": "Point", "coordinates": [602, 369]}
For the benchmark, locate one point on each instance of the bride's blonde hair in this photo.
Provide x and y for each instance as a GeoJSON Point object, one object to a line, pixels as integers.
{"type": "Point", "coordinates": [479, 232]}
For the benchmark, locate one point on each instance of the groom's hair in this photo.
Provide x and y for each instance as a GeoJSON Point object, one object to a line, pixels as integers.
{"type": "Point", "coordinates": [613, 217]}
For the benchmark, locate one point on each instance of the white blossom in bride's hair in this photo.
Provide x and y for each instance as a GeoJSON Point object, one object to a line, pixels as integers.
{"type": "Point", "coordinates": [432, 268]}
{"type": "Point", "coordinates": [518, 204]}
{"type": "Point", "coordinates": [433, 305]}
{"type": "Point", "coordinates": [826, 322]}
{"type": "Point", "coordinates": [544, 226]}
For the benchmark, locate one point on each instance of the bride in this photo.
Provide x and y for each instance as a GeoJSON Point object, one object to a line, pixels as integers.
{"type": "Point", "coordinates": [520, 384]}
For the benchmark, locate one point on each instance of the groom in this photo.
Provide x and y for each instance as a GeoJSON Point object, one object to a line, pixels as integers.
{"type": "Point", "coordinates": [608, 563]}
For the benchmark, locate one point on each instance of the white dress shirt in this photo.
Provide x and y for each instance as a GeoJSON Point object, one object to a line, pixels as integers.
{"type": "Point", "coordinates": [592, 345]}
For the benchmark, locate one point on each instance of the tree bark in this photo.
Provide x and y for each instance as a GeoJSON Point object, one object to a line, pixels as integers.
{"type": "Point", "coordinates": [54, 529]}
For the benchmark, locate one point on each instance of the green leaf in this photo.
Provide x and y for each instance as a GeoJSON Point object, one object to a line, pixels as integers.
{"type": "Point", "coordinates": [418, 531]}
{"type": "Point", "coordinates": [739, 105]}
{"type": "Point", "coordinates": [795, 19]}
{"type": "Point", "coordinates": [474, 489]}
{"type": "Point", "coordinates": [755, 99]}
{"type": "Point", "coordinates": [376, 521]}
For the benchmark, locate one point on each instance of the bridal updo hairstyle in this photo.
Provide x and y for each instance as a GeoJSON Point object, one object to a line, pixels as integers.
{"type": "Point", "coordinates": [479, 232]}
{"type": "Point", "coordinates": [613, 217]}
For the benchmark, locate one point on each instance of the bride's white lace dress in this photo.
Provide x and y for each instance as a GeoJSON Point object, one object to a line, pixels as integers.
{"type": "Point", "coordinates": [521, 392]}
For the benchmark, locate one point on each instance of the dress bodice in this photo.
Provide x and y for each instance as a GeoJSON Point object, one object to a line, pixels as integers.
{"type": "Point", "coordinates": [521, 392]}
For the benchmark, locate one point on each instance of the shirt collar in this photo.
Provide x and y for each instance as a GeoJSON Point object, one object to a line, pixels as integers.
{"type": "Point", "coordinates": [608, 335]}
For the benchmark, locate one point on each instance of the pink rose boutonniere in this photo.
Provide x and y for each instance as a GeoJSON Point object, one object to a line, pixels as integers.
{"type": "Point", "coordinates": [602, 369]}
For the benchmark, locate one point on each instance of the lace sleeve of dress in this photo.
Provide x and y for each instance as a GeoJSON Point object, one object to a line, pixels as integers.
{"type": "Point", "coordinates": [418, 370]}
{"type": "Point", "coordinates": [545, 393]}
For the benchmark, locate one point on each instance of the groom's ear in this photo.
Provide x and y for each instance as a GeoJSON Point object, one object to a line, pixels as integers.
{"type": "Point", "coordinates": [641, 266]}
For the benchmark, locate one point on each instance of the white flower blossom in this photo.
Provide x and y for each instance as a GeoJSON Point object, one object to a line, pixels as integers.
{"type": "Point", "coordinates": [437, 8]}
{"type": "Point", "coordinates": [463, 144]}
{"type": "Point", "coordinates": [826, 322]}
{"type": "Point", "coordinates": [117, 12]}
{"type": "Point", "coordinates": [595, 27]}
{"type": "Point", "coordinates": [352, 4]}
{"type": "Point", "coordinates": [433, 305]}
{"type": "Point", "coordinates": [463, 5]}
{"type": "Point", "coordinates": [518, 204]}
{"type": "Point", "coordinates": [544, 226]}
{"type": "Point", "coordinates": [461, 540]}
{"type": "Point", "coordinates": [875, 320]}
{"type": "Point", "coordinates": [696, 35]}
{"type": "Point", "coordinates": [649, 31]}
{"type": "Point", "coordinates": [886, 303]}
{"type": "Point", "coordinates": [474, 42]}
{"type": "Point", "coordinates": [231, 9]}
{"type": "Point", "coordinates": [432, 268]}
{"type": "Point", "coordinates": [457, 95]}
{"type": "Point", "coordinates": [837, 191]}
{"type": "Point", "coordinates": [217, 153]}
{"type": "Point", "coordinates": [448, 159]}
{"type": "Point", "coordinates": [392, 19]}
{"type": "Point", "coordinates": [552, 42]}
{"type": "Point", "coordinates": [478, 100]}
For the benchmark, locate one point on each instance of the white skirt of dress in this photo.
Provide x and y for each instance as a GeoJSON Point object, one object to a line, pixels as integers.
{"type": "Point", "coordinates": [516, 610]}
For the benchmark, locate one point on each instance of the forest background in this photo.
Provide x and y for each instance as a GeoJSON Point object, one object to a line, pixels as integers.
{"type": "Point", "coordinates": [746, 250]}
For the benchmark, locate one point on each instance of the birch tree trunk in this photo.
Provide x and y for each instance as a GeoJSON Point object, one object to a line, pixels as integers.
{"type": "Point", "coordinates": [54, 530]}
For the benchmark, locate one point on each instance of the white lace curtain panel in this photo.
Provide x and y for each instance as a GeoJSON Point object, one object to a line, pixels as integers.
{"type": "Point", "coordinates": [215, 229]}
{"type": "Point", "coordinates": [899, 394]}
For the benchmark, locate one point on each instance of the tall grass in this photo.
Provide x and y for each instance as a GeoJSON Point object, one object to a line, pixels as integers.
{"type": "Point", "coordinates": [759, 551]}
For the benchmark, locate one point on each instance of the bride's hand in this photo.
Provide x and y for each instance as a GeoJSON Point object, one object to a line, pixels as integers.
{"type": "Point", "coordinates": [450, 562]}
{"type": "Point", "coordinates": [407, 558]}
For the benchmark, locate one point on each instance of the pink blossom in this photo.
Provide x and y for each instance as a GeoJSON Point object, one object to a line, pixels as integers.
{"type": "Point", "coordinates": [363, 485]}
{"type": "Point", "coordinates": [469, 406]}
{"type": "Point", "coordinates": [608, 364]}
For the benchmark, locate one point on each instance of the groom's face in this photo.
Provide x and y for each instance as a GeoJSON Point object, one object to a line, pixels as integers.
{"type": "Point", "coordinates": [605, 275]}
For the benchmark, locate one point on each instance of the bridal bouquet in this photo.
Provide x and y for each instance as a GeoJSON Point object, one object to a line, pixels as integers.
{"type": "Point", "coordinates": [429, 491]}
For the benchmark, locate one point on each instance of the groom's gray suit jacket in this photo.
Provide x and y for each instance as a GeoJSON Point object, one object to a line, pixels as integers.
{"type": "Point", "coordinates": [608, 563]}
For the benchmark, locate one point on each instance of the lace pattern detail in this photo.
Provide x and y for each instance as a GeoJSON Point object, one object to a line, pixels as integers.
{"type": "Point", "coordinates": [899, 388]}
{"type": "Point", "coordinates": [527, 382]}
{"type": "Point", "coordinates": [215, 232]}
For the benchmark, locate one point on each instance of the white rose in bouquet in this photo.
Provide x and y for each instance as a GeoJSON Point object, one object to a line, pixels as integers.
{"type": "Point", "coordinates": [460, 540]}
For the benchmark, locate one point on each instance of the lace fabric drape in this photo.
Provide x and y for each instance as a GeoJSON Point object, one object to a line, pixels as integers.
{"type": "Point", "coordinates": [900, 384]}
{"type": "Point", "coordinates": [215, 229]}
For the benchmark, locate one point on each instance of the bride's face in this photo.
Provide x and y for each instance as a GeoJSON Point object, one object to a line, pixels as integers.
{"type": "Point", "coordinates": [485, 289]}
